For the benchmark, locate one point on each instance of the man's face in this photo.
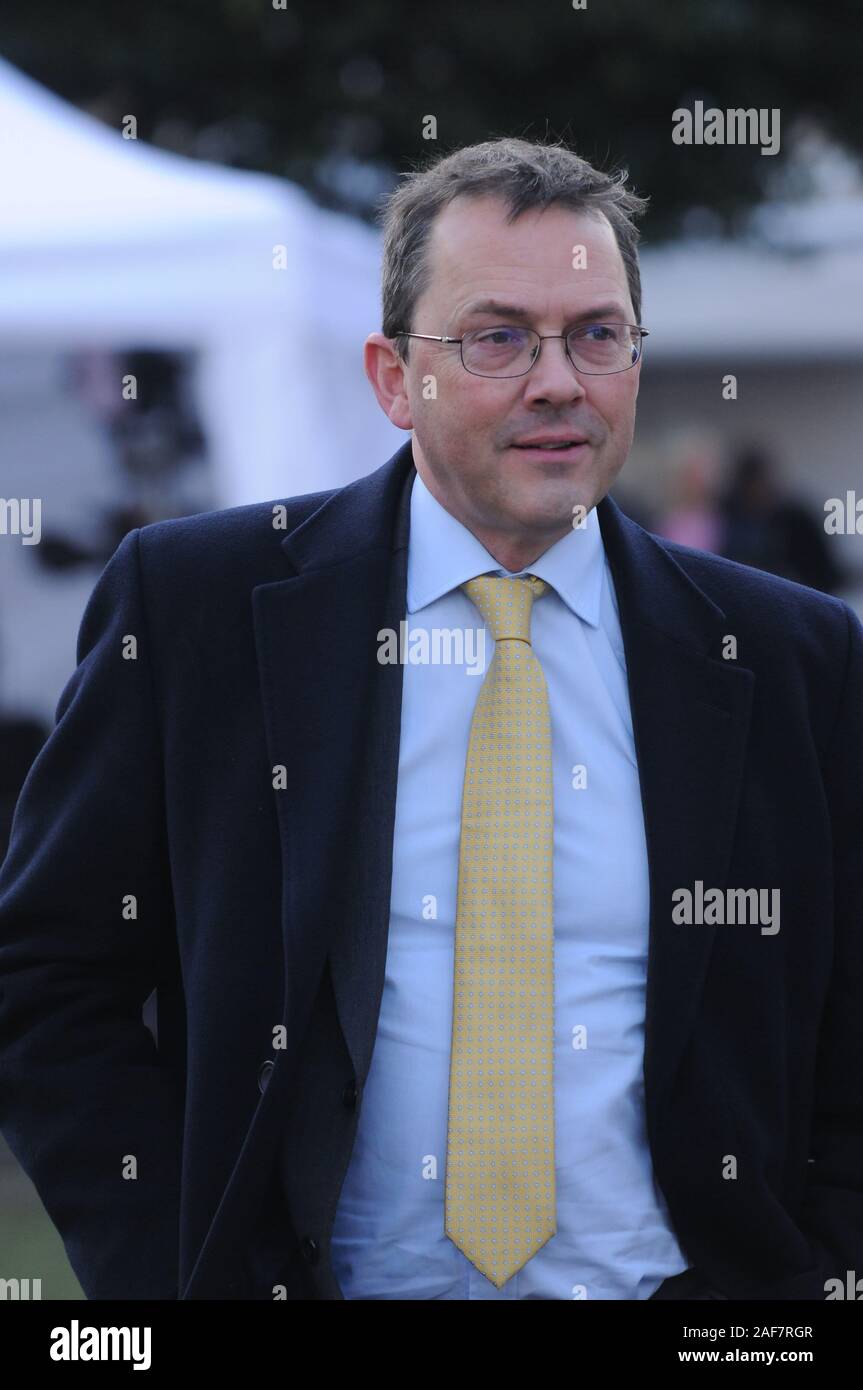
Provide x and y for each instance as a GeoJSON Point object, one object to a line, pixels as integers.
{"type": "Point", "coordinates": [464, 430]}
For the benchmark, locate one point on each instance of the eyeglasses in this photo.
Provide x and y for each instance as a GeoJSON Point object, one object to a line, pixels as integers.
{"type": "Point", "coordinates": [595, 349]}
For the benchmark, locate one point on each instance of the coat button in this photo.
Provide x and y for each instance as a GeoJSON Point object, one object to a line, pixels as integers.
{"type": "Point", "coordinates": [264, 1075]}
{"type": "Point", "coordinates": [309, 1248]}
{"type": "Point", "coordinates": [349, 1094]}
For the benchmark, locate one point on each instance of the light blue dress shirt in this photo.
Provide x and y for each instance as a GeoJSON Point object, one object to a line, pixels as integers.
{"type": "Point", "coordinates": [614, 1238]}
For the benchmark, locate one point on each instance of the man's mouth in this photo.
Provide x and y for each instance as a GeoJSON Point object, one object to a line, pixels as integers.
{"type": "Point", "coordinates": [557, 446]}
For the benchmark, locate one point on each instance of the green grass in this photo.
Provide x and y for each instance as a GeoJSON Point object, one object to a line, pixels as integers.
{"type": "Point", "coordinates": [30, 1246]}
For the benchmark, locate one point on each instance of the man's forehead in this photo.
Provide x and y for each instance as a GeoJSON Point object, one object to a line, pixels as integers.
{"type": "Point", "coordinates": [473, 233]}
{"type": "Point", "coordinates": [472, 221]}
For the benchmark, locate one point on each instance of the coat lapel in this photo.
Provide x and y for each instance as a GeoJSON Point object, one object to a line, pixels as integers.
{"type": "Point", "coordinates": [333, 713]}
{"type": "Point", "coordinates": [690, 714]}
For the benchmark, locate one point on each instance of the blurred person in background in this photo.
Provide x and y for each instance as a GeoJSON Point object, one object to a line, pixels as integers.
{"type": "Point", "coordinates": [693, 516]}
{"type": "Point", "coordinates": [764, 526]}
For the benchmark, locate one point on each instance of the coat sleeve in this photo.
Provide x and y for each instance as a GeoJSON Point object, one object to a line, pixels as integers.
{"type": "Point", "coordinates": [85, 900]}
{"type": "Point", "coordinates": [832, 1213]}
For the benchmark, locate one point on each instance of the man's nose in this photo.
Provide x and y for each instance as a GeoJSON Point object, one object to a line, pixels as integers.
{"type": "Point", "coordinates": [553, 377]}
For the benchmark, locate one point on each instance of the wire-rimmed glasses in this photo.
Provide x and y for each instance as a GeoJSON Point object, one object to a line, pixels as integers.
{"type": "Point", "coordinates": [505, 350]}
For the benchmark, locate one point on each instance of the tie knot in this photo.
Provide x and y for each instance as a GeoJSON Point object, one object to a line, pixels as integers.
{"type": "Point", "coordinates": [506, 604]}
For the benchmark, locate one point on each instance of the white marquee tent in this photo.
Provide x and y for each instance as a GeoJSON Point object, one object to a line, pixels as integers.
{"type": "Point", "coordinates": [108, 242]}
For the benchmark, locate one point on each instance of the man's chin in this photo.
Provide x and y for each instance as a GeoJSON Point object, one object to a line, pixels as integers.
{"type": "Point", "coordinates": [554, 510]}
{"type": "Point", "coordinates": [547, 527]}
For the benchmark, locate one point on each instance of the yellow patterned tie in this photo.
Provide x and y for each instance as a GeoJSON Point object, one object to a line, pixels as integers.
{"type": "Point", "coordinates": [500, 1187]}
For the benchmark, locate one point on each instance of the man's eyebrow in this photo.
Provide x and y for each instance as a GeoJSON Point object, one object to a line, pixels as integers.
{"type": "Point", "coordinates": [513, 313]}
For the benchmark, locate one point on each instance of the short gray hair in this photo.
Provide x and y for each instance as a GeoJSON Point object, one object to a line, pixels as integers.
{"type": "Point", "coordinates": [525, 174]}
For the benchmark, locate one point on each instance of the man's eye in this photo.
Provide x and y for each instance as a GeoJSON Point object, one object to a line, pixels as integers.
{"type": "Point", "coordinates": [499, 337]}
{"type": "Point", "coordinates": [600, 332]}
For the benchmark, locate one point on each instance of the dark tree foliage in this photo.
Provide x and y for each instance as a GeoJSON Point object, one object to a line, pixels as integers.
{"type": "Point", "coordinates": [334, 94]}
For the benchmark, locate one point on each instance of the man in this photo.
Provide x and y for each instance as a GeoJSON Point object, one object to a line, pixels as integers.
{"type": "Point", "coordinates": [544, 983]}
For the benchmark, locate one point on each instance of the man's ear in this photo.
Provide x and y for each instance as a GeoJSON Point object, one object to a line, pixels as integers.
{"type": "Point", "coordinates": [637, 372]}
{"type": "Point", "coordinates": [387, 374]}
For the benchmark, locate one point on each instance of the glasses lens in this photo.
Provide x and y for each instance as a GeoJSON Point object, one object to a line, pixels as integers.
{"type": "Point", "coordinates": [499, 351]}
{"type": "Point", "coordinates": [604, 347]}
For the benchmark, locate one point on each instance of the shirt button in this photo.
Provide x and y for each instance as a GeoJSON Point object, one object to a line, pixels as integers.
{"type": "Point", "coordinates": [264, 1075]}
{"type": "Point", "coordinates": [349, 1094]}
{"type": "Point", "coordinates": [309, 1248]}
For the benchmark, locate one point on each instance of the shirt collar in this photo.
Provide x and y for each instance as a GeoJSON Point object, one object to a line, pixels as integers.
{"type": "Point", "coordinates": [443, 554]}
